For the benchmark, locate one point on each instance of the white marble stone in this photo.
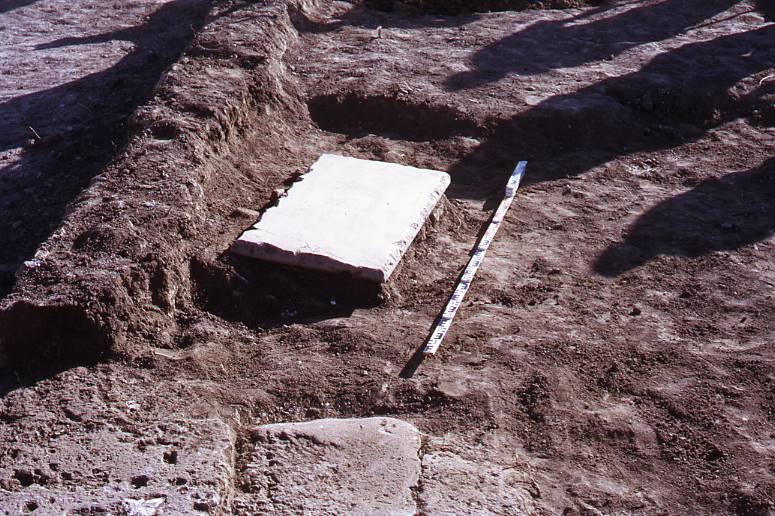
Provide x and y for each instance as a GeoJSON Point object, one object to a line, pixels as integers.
{"type": "Point", "coordinates": [346, 215]}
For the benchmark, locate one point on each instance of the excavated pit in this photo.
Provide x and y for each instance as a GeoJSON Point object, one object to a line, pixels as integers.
{"type": "Point", "coordinates": [266, 295]}
{"type": "Point", "coordinates": [396, 117]}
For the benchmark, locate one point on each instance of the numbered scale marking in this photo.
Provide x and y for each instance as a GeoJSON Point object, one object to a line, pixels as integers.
{"type": "Point", "coordinates": [434, 341]}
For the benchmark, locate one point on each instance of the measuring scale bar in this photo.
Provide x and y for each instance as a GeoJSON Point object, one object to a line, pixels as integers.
{"type": "Point", "coordinates": [434, 341]}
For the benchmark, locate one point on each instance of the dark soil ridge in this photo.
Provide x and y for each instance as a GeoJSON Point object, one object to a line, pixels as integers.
{"type": "Point", "coordinates": [120, 263]}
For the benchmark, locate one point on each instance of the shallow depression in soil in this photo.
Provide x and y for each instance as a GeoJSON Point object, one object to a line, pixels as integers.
{"type": "Point", "coordinates": [393, 117]}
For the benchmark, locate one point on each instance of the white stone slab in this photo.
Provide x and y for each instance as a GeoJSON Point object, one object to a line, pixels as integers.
{"type": "Point", "coordinates": [331, 466]}
{"type": "Point", "coordinates": [346, 215]}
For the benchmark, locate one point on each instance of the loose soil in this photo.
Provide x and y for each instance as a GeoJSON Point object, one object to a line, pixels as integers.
{"type": "Point", "coordinates": [616, 347]}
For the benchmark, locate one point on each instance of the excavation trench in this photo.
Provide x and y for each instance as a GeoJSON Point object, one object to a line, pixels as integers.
{"type": "Point", "coordinates": [395, 117]}
{"type": "Point", "coordinates": [147, 244]}
{"type": "Point", "coordinates": [149, 240]}
{"type": "Point", "coordinates": [118, 272]}
{"type": "Point", "coordinates": [145, 249]}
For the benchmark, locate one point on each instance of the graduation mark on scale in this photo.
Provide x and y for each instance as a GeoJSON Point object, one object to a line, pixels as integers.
{"type": "Point", "coordinates": [442, 326]}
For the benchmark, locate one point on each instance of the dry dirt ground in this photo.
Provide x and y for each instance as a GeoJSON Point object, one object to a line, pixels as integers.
{"type": "Point", "coordinates": [614, 356]}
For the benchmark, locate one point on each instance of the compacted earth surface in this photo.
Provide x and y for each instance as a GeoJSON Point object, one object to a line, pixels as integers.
{"type": "Point", "coordinates": [616, 352]}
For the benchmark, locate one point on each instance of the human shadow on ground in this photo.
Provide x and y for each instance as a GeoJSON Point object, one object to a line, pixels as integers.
{"type": "Point", "coordinates": [552, 44]}
{"type": "Point", "coordinates": [721, 214]}
{"type": "Point", "coordinates": [78, 128]}
{"type": "Point", "coordinates": [10, 5]}
{"type": "Point", "coordinates": [767, 8]}
{"type": "Point", "coordinates": [672, 100]}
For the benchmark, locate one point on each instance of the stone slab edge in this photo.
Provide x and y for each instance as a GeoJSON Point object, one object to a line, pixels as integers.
{"type": "Point", "coordinates": [325, 263]}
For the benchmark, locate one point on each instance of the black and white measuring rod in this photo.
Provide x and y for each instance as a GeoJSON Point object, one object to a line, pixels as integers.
{"type": "Point", "coordinates": [441, 328]}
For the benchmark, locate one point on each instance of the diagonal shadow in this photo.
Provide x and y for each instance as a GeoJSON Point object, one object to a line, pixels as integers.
{"type": "Point", "coordinates": [767, 8]}
{"type": "Point", "coordinates": [550, 45]}
{"type": "Point", "coordinates": [717, 215]}
{"type": "Point", "coordinates": [81, 125]}
{"type": "Point", "coordinates": [10, 5]}
{"type": "Point", "coordinates": [672, 100]}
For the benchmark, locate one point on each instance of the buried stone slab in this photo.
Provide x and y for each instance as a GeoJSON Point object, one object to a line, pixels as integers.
{"type": "Point", "coordinates": [332, 466]}
{"type": "Point", "coordinates": [94, 466]}
{"type": "Point", "coordinates": [346, 215]}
